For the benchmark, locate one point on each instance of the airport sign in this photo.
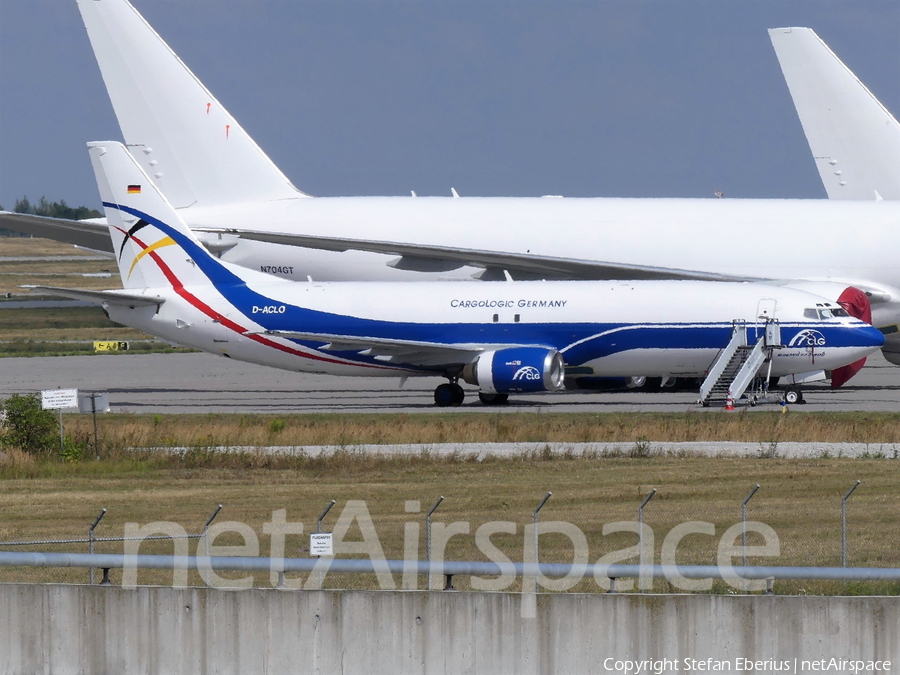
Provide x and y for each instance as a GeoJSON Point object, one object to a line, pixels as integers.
{"type": "Point", "coordinates": [53, 399]}
{"type": "Point", "coordinates": [320, 544]}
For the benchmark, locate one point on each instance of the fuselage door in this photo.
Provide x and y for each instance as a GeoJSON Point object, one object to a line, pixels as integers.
{"type": "Point", "coordinates": [765, 312]}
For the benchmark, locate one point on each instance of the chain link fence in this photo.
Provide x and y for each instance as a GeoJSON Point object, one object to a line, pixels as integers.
{"type": "Point", "coordinates": [652, 525]}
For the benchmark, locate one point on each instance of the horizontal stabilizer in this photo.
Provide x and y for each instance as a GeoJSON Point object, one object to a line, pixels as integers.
{"type": "Point", "coordinates": [518, 264]}
{"type": "Point", "coordinates": [103, 297]}
{"type": "Point", "coordinates": [854, 139]}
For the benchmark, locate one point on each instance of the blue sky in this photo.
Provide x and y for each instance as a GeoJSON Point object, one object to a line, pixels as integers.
{"type": "Point", "coordinates": [615, 98]}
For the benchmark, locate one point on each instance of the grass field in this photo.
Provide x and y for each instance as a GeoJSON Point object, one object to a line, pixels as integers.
{"type": "Point", "coordinates": [800, 499]}
{"type": "Point", "coordinates": [45, 498]}
{"type": "Point", "coordinates": [61, 331]}
{"type": "Point", "coordinates": [58, 331]}
{"type": "Point", "coordinates": [766, 428]}
{"type": "Point", "coordinates": [61, 323]}
{"type": "Point", "coordinates": [68, 272]}
{"type": "Point", "coordinates": [35, 246]}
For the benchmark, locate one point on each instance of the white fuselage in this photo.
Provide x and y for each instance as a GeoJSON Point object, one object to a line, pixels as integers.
{"type": "Point", "coordinates": [611, 328]}
{"type": "Point", "coordinates": [852, 243]}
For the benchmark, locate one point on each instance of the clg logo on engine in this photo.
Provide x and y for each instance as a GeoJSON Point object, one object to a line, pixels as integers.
{"type": "Point", "coordinates": [808, 338]}
{"type": "Point", "coordinates": [527, 373]}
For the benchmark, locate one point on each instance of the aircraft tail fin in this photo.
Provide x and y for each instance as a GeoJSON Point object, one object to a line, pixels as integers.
{"type": "Point", "coordinates": [153, 246]}
{"type": "Point", "coordinates": [186, 141]}
{"type": "Point", "coordinates": [854, 139]}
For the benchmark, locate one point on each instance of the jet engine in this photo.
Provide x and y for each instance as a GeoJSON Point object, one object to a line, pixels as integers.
{"type": "Point", "coordinates": [891, 352]}
{"type": "Point", "coordinates": [516, 369]}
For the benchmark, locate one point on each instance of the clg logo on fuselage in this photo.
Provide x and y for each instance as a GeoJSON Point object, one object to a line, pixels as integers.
{"type": "Point", "coordinates": [808, 338]}
{"type": "Point", "coordinates": [527, 373]}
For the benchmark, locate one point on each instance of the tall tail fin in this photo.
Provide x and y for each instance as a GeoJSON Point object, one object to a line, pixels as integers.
{"type": "Point", "coordinates": [189, 145]}
{"type": "Point", "coordinates": [153, 246]}
{"type": "Point", "coordinates": [854, 139]}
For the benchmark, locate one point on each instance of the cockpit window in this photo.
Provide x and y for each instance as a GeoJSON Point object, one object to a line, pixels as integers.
{"type": "Point", "coordinates": [824, 312]}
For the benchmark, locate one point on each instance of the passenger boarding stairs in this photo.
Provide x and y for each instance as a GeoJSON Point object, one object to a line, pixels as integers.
{"type": "Point", "coordinates": [737, 365]}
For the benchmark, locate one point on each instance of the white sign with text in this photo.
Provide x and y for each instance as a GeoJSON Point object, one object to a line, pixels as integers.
{"type": "Point", "coordinates": [320, 544]}
{"type": "Point", "coordinates": [53, 399]}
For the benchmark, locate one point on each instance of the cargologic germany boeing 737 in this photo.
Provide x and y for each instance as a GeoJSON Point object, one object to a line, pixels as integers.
{"type": "Point", "coordinates": [245, 210]}
{"type": "Point", "coordinates": [504, 337]}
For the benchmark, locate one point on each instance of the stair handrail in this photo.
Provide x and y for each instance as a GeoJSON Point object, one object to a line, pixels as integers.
{"type": "Point", "coordinates": [749, 369]}
{"type": "Point", "coordinates": [738, 339]}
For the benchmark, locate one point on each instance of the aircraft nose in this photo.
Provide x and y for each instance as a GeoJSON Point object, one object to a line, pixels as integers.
{"type": "Point", "coordinates": [869, 336]}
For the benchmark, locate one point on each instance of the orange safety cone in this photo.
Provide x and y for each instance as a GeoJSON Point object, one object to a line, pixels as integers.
{"type": "Point", "coordinates": [729, 402]}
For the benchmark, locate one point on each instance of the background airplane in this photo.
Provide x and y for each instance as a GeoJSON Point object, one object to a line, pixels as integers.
{"type": "Point", "coordinates": [854, 139]}
{"type": "Point", "coordinates": [503, 337]}
{"type": "Point", "coordinates": [179, 131]}
{"type": "Point", "coordinates": [618, 98]}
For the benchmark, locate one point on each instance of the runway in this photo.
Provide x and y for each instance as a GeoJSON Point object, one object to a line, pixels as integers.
{"type": "Point", "coordinates": [202, 383]}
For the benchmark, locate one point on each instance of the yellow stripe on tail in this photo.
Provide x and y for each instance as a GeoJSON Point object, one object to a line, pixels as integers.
{"type": "Point", "coordinates": [165, 241]}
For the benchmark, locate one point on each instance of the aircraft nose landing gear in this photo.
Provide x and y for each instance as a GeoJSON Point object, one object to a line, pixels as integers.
{"type": "Point", "coordinates": [793, 395]}
{"type": "Point", "coordinates": [449, 394]}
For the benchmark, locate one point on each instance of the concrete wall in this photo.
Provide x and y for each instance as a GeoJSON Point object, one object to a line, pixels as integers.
{"type": "Point", "coordinates": [90, 629]}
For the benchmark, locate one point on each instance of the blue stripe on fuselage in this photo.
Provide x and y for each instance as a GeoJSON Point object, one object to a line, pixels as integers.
{"type": "Point", "coordinates": [581, 341]}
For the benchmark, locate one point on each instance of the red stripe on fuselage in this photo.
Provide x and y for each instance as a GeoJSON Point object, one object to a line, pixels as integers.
{"type": "Point", "coordinates": [228, 323]}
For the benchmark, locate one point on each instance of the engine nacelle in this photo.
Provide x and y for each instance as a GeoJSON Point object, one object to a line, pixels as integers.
{"type": "Point", "coordinates": [891, 352]}
{"type": "Point", "coordinates": [516, 369]}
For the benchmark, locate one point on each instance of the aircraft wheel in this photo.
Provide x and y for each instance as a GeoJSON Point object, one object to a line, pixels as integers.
{"type": "Point", "coordinates": [445, 395]}
{"type": "Point", "coordinates": [793, 395]}
{"type": "Point", "coordinates": [493, 399]}
{"type": "Point", "coordinates": [651, 384]}
{"type": "Point", "coordinates": [459, 394]}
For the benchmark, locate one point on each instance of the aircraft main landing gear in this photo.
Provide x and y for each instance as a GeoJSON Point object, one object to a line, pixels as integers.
{"type": "Point", "coordinates": [493, 399]}
{"type": "Point", "coordinates": [449, 394]}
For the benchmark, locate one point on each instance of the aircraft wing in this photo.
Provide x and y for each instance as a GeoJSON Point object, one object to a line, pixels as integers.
{"type": "Point", "coordinates": [520, 265]}
{"type": "Point", "coordinates": [91, 234]}
{"type": "Point", "coordinates": [103, 297]}
{"type": "Point", "coordinates": [398, 351]}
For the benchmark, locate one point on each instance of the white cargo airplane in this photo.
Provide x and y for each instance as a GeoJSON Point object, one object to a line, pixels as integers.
{"type": "Point", "coordinates": [516, 336]}
{"type": "Point", "coordinates": [246, 211]}
{"type": "Point", "coordinates": [854, 139]}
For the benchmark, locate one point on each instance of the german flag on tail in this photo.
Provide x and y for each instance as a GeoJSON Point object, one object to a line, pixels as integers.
{"type": "Point", "coordinates": [134, 189]}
